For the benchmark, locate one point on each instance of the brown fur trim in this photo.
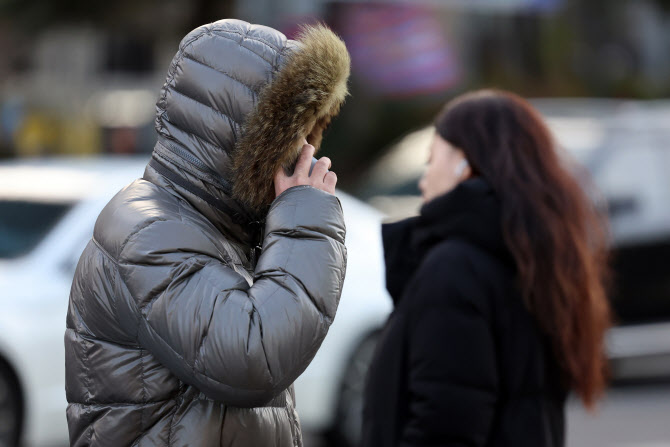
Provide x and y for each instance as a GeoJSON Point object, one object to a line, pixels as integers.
{"type": "Point", "coordinates": [304, 96]}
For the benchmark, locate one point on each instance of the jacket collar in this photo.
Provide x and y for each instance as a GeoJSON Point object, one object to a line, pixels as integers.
{"type": "Point", "coordinates": [181, 177]}
{"type": "Point", "coordinates": [470, 212]}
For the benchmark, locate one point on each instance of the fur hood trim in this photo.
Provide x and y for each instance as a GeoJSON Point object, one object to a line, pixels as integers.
{"type": "Point", "coordinates": [305, 94]}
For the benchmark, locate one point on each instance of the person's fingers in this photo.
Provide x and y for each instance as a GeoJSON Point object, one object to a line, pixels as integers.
{"type": "Point", "coordinates": [280, 175]}
{"type": "Point", "coordinates": [330, 181]}
{"type": "Point", "coordinates": [320, 169]}
{"type": "Point", "coordinates": [304, 161]}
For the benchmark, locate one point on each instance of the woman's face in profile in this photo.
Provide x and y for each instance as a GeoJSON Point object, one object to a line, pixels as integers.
{"type": "Point", "coordinates": [445, 169]}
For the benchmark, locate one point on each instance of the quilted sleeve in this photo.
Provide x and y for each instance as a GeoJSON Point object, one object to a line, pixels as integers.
{"type": "Point", "coordinates": [239, 344]}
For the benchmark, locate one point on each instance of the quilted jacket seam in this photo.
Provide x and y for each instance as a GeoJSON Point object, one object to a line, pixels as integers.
{"type": "Point", "coordinates": [239, 81]}
{"type": "Point", "coordinates": [233, 122]}
{"type": "Point", "coordinates": [234, 126]}
{"type": "Point", "coordinates": [142, 319]}
{"type": "Point", "coordinates": [144, 388]}
{"type": "Point", "coordinates": [246, 37]}
{"type": "Point", "coordinates": [278, 50]}
{"type": "Point", "coordinates": [144, 226]}
{"type": "Point", "coordinates": [142, 307]}
{"type": "Point", "coordinates": [104, 251]}
{"type": "Point", "coordinates": [248, 303]}
{"type": "Point", "coordinates": [183, 54]}
{"type": "Point", "coordinates": [117, 275]}
{"type": "Point", "coordinates": [121, 404]}
{"type": "Point", "coordinates": [171, 425]}
{"type": "Point", "coordinates": [226, 258]}
{"type": "Point", "coordinates": [293, 425]}
{"type": "Point", "coordinates": [260, 320]}
{"type": "Point", "coordinates": [273, 382]}
{"type": "Point", "coordinates": [87, 385]}
{"type": "Point", "coordinates": [206, 377]}
{"type": "Point", "coordinates": [204, 337]}
{"type": "Point", "coordinates": [172, 72]}
{"type": "Point", "coordinates": [113, 297]}
{"type": "Point", "coordinates": [80, 320]}
{"type": "Point", "coordinates": [188, 132]}
{"type": "Point", "coordinates": [102, 339]}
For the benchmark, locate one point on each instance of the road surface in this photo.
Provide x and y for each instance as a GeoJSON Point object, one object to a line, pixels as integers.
{"type": "Point", "coordinates": [630, 416]}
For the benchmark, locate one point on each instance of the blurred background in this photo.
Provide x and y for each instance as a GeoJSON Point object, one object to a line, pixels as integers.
{"type": "Point", "coordinates": [78, 85]}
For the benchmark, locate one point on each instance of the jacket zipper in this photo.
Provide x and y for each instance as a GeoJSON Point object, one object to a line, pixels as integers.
{"type": "Point", "coordinates": [196, 162]}
{"type": "Point", "coordinates": [187, 156]}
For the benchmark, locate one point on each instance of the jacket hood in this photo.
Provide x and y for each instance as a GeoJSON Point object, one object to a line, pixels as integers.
{"type": "Point", "coordinates": [239, 99]}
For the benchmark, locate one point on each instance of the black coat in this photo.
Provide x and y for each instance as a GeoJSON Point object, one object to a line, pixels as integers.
{"type": "Point", "coordinates": [461, 361]}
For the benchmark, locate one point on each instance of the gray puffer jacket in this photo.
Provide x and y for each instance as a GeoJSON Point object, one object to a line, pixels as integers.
{"type": "Point", "coordinates": [181, 330]}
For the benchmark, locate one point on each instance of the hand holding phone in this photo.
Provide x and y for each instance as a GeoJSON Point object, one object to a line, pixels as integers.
{"type": "Point", "coordinates": [308, 171]}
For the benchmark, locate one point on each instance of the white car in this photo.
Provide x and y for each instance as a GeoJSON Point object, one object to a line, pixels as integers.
{"type": "Point", "coordinates": [47, 212]}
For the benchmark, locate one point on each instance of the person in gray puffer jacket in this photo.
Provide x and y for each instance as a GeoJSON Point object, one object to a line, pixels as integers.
{"type": "Point", "coordinates": [210, 283]}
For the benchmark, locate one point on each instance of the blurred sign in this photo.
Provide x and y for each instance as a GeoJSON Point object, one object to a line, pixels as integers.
{"type": "Point", "coordinates": [485, 5]}
{"type": "Point", "coordinates": [504, 4]}
{"type": "Point", "coordinates": [398, 50]}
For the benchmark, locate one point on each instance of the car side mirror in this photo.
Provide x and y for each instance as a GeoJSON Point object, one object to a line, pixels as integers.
{"type": "Point", "coordinates": [621, 206]}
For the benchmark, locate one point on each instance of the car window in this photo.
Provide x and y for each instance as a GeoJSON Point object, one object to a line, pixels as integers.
{"type": "Point", "coordinates": [634, 179]}
{"type": "Point", "coordinates": [24, 223]}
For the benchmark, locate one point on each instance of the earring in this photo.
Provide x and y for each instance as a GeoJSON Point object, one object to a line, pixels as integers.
{"type": "Point", "coordinates": [461, 168]}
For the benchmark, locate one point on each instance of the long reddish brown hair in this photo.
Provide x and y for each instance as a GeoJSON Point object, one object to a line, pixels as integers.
{"type": "Point", "coordinates": [557, 238]}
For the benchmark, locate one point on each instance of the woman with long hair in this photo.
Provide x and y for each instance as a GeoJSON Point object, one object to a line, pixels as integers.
{"type": "Point", "coordinates": [499, 290]}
